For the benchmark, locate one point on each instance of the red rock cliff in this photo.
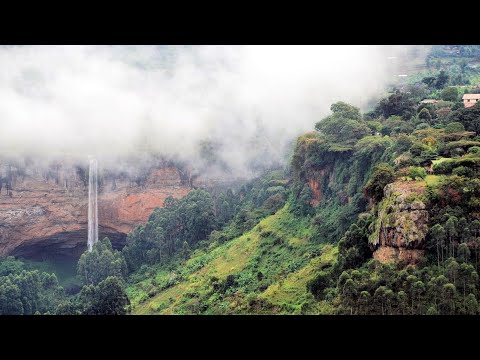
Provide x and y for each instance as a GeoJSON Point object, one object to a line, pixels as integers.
{"type": "Point", "coordinates": [41, 216]}
{"type": "Point", "coordinates": [314, 182]}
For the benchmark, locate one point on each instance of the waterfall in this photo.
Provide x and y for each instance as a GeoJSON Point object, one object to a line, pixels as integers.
{"type": "Point", "coordinates": [92, 203]}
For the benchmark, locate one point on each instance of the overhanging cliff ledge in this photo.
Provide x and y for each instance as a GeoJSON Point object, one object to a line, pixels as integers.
{"type": "Point", "coordinates": [43, 212]}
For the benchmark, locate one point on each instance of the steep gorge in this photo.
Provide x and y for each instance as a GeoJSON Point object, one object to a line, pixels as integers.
{"type": "Point", "coordinates": [43, 216]}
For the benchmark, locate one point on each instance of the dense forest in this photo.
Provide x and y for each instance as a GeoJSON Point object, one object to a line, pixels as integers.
{"type": "Point", "coordinates": [375, 213]}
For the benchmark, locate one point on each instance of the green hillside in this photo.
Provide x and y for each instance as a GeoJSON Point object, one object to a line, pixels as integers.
{"type": "Point", "coordinates": [263, 271]}
{"type": "Point", "coordinates": [373, 213]}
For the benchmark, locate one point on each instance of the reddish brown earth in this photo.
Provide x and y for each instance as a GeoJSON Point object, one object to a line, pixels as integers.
{"type": "Point", "coordinates": [314, 182]}
{"type": "Point", "coordinates": [386, 254]}
{"type": "Point", "coordinates": [50, 216]}
{"type": "Point", "coordinates": [316, 192]}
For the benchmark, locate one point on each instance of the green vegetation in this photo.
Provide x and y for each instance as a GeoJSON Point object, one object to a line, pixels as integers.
{"type": "Point", "coordinates": [182, 225]}
{"type": "Point", "coordinates": [106, 298]}
{"type": "Point", "coordinates": [263, 271]}
{"type": "Point", "coordinates": [417, 173]}
{"type": "Point", "coordinates": [285, 264]}
{"type": "Point", "coordinates": [449, 94]}
{"type": "Point", "coordinates": [382, 175]}
{"type": "Point", "coordinates": [25, 292]}
{"type": "Point", "coordinates": [392, 289]}
{"type": "Point", "coordinates": [448, 165]}
{"type": "Point", "coordinates": [100, 263]}
{"type": "Point", "coordinates": [187, 220]}
{"type": "Point", "coordinates": [402, 178]}
{"type": "Point", "coordinates": [345, 125]}
{"type": "Point", "coordinates": [102, 272]}
{"type": "Point", "coordinates": [64, 269]}
{"type": "Point", "coordinates": [454, 127]}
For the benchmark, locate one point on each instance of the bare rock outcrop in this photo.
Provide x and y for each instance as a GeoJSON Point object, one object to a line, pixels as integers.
{"type": "Point", "coordinates": [402, 224]}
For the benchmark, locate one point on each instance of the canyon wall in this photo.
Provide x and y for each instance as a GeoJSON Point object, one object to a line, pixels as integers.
{"type": "Point", "coordinates": [43, 211]}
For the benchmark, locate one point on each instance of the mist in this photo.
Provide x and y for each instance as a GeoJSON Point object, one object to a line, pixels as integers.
{"type": "Point", "coordinates": [247, 102]}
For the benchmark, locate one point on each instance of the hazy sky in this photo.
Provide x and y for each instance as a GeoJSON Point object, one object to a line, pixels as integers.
{"type": "Point", "coordinates": [109, 100]}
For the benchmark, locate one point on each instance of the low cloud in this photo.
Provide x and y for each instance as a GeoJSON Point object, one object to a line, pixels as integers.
{"type": "Point", "coordinates": [114, 101]}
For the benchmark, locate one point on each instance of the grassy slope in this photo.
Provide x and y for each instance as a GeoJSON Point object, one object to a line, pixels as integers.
{"type": "Point", "coordinates": [272, 264]}
{"type": "Point", "coordinates": [433, 179]}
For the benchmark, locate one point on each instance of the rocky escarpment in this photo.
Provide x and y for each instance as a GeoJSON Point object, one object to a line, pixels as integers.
{"type": "Point", "coordinates": [315, 181]}
{"type": "Point", "coordinates": [322, 182]}
{"type": "Point", "coordinates": [401, 226]}
{"type": "Point", "coordinates": [43, 212]}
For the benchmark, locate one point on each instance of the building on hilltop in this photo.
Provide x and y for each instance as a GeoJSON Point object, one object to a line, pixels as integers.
{"type": "Point", "coordinates": [470, 100]}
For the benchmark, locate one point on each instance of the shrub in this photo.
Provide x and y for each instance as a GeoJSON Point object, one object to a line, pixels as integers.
{"type": "Point", "coordinates": [403, 144]}
{"type": "Point", "coordinates": [417, 149]}
{"type": "Point", "coordinates": [462, 171]}
{"type": "Point", "coordinates": [447, 166]}
{"type": "Point", "coordinates": [444, 167]}
{"type": "Point", "coordinates": [474, 150]}
{"type": "Point", "coordinates": [318, 284]}
{"type": "Point", "coordinates": [143, 269]}
{"type": "Point", "coordinates": [417, 172]}
{"type": "Point", "coordinates": [454, 127]}
{"type": "Point", "coordinates": [425, 116]}
{"type": "Point", "coordinates": [457, 152]}
{"type": "Point", "coordinates": [449, 94]}
{"type": "Point", "coordinates": [463, 144]}
{"type": "Point", "coordinates": [218, 236]}
{"type": "Point", "coordinates": [275, 202]}
{"type": "Point", "coordinates": [428, 155]}
{"type": "Point", "coordinates": [382, 175]}
{"type": "Point", "coordinates": [375, 126]}
{"type": "Point", "coordinates": [422, 126]}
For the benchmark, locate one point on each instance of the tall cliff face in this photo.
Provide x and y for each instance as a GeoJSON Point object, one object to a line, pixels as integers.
{"type": "Point", "coordinates": [402, 224]}
{"type": "Point", "coordinates": [315, 180]}
{"type": "Point", "coordinates": [45, 214]}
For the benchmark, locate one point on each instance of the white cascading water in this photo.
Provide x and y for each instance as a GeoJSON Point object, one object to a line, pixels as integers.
{"type": "Point", "coordinates": [92, 203]}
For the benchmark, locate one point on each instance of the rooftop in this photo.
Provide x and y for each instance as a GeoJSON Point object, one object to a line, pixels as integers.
{"type": "Point", "coordinates": [471, 97]}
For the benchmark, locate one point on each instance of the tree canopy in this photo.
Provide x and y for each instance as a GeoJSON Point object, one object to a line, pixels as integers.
{"type": "Point", "coordinates": [345, 125]}
{"type": "Point", "coordinates": [103, 261]}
